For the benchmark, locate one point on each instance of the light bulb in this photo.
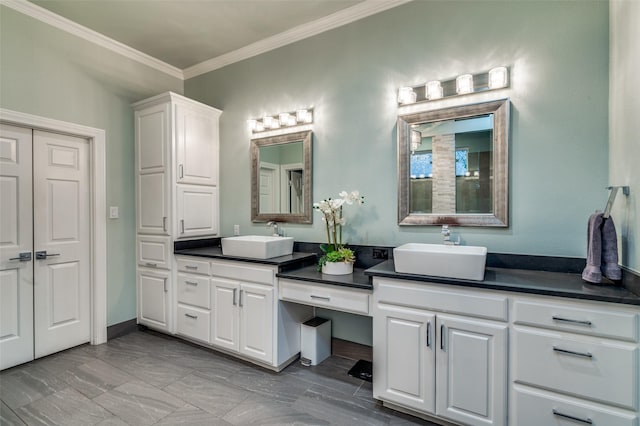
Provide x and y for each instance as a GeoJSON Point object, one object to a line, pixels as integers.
{"type": "Point", "coordinates": [433, 90]}
{"type": "Point", "coordinates": [498, 77]}
{"type": "Point", "coordinates": [406, 95]}
{"type": "Point", "coordinates": [464, 84]}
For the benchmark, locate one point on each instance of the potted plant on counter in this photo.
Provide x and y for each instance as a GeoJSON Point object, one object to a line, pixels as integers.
{"type": "Point", "coordinates": [337, 259]}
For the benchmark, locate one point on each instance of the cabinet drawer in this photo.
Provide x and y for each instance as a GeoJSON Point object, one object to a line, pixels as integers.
{"type": "Point", "coordinates": [326, 296]}
{"type": "Point", "coordinates": [194, 266]}
{"type": "Point", "coordinates": [194, 290]}
{"type": "Point", "coordinates": [577, 319]}
{"type": "Point", "coordinates": [256, 274]}
{"type": "Point", "coordinates": [194, 323]}
{"type": "Point", "coordinates": [154, 252]}
{"type": "Point", "coordinates": [605, 371]}
{"type": "Point", "coordinates": [533, 408]}
{"type": "Point", "coordinates": [440, 298]}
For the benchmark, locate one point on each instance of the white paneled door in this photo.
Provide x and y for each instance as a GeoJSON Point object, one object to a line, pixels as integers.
{"type": "Point", "coordinates": [16, 246]}
{"type": "Point", "coordinates": [47, 297]}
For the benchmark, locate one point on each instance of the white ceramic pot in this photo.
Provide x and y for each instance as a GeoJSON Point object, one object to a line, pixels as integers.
{"type": "Point", "coordinates": [337, 268]}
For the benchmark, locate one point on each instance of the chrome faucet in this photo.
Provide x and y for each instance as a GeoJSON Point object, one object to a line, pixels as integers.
{"type": "Point", "coordinates": [274, 226]}
{"type": "Point", "coordinates": [446, 236]}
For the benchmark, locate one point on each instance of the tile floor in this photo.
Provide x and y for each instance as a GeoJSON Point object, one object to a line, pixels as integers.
{"type": "Point", "coordinates": [146, 378]}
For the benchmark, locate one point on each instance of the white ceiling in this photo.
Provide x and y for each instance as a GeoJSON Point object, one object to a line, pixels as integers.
{"type": "Point", "coordinates": [193, 34]}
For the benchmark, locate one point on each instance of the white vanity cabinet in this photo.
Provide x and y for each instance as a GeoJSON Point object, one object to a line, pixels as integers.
{"type": "Point", "coordinates": [440, 351]}
{"type": "Point", "coordinates": [244, 320]}
{"type": "Point", "coordinates": [248, 319]}
{"type": "Point", "coordinates": [574, 362]}
{"type": "Point", "coordinates": [176, 157]}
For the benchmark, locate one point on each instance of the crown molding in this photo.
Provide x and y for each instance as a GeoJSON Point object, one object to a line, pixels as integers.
{"type": "Point", "coordinates": [55, 20]}
{"type": "Point", "coordinates": [343, 17]}
{"type": "Point", "coordinates": [335, 20]}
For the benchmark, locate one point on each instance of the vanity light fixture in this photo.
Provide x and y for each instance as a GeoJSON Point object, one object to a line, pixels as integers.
{"type": "Point", "coordinates": [464, 84]}
{"type": "Point", "coordinates": [284, 119]}
{"type": "Point", "coordinates": [496, 78]}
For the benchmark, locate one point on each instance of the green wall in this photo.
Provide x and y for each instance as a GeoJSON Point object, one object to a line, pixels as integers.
{"type": "Point", "coordinates": [50, 73]}
{"type": "Point", "coordinates": [558, 55]}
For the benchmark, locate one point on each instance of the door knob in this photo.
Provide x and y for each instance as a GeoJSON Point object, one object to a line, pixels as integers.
{"type": "Point", "coordinates": [42, 254]}
{"type": "Point", "coordinates": [23, 257]}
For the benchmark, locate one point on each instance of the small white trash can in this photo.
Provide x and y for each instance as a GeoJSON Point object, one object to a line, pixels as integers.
{"type": "Point", "coordinates": [315, 341]}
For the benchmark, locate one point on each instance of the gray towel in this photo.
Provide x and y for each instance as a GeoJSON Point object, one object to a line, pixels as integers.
{"type": "Point", "coordinates": [592, 272]}
{"type": "Point", "coordinates": [610, 268]}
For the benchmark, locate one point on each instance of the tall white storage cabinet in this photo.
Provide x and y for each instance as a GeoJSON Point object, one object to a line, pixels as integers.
{"type": "Point", "coordinates": [177, 163]}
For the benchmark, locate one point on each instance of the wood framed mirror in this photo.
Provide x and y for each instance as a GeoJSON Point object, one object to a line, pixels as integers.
{"type": "Point", "coordinates": [453, 166]}
{"type": "Point", "coordinates": [281, 178]}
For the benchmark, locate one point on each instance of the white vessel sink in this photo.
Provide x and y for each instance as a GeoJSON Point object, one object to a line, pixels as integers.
{"type": "Point", "coordinates": [257, 246]}
{"type": "Point", "coordinates": [439, 260]}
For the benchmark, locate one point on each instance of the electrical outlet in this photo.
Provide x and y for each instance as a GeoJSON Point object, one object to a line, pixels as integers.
{"type": "Point", "coordinates": [380, 253]}
{"type": "Point", "coordinates": [236, 229]}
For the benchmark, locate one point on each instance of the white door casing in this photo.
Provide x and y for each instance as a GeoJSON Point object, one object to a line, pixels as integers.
{"type": "Point", "coordinates": [62, 233]}
{"type": "Point", "coordinates": [16, 237]}
{"type": "Point", "coordinates": [98, 211]}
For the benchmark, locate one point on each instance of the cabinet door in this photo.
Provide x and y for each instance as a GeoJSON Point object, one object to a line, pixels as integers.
{"type": "Point", "coordinates": [153, 299]}
{"type": "Point", "coordinates": [152, 169]}
{"type": "Point", "coordinates": [404, 357]}
{"type": "Point", "coordinates": [471, 372]}
{"type": "Point", "coordinates": [224, 318]}
{"type": "Point", "coordinates": [196, 146]}
{"type": "Point", "coordinates": [197, 211]}
{"type": "Point", "coordinates": [256, 321]}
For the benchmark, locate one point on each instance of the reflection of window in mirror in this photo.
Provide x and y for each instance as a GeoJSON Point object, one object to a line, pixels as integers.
{"type": "Point", "coordinates": [447, 161]}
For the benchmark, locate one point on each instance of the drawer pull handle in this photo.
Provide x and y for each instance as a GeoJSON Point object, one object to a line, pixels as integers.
{"type": "Point", "coordinates": [442, 336]}
{"type": "Point", "coordinates": [164, 223]}
{"type": "Point", "coordinates": [572, 321]}
{"type": "Point", "coordinates": [235, 293]}
{"type": "Point", "coordinates": [587, 421]}
{"type": "Point", "coordinates": [574, 353]}
{"type": "Point", "coordinates": [320, 297]}
{"type": "Point", "coordinates": [195, 268]}
{"type": "Point", "coordinates": [191, 282]}
{"type": "Point", "coordinates": [191, 316]}
{"type": "Point", "coordinates": [428, 334]}
{"type": "Point", "coordinates": [240, 299]}
{"type": "Point", "coordinates": [151, 264]}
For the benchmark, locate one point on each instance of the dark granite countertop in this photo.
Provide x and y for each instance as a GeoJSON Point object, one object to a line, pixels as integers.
{"type": "Point", "coordinates": [281, 261]}
{"type": "Point", "coordinates": [523, 281]}
{"type": "Point", "coordinates": [310, 274]}
{"type": "Point", "coordinates": [302, 267]}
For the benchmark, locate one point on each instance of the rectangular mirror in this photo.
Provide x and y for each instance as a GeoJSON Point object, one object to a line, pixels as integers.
{"type": "Point", "coordinates": [453, 166]}
{"type": "Point", "coordinates": [281, 178]}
